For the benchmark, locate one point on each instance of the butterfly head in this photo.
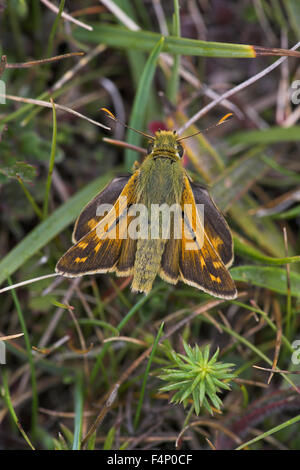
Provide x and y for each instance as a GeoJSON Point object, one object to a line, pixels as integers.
{"type": "Point", "coordinates": [165, 144]}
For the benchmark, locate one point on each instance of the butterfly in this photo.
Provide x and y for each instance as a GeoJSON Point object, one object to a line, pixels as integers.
{"type": "Point", "coordinates": [118, 239]}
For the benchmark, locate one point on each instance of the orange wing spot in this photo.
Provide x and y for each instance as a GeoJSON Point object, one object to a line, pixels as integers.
{"type": "Point", "coordinates": [217, 241]}
{"type": "Point", "coordinates": [92, 224]}
{"type": "Point", "coordinates": [80, 260]}
{"type": "Point", "coordinates": [217, 264]}
{"type": "Point", "coordinates": [214, 278]}
{"type": "Point", "coordinates": [202, 261]}
{"type": "Point", "coordinates": [82, 245]}
{"type": "Point", "coordinates": [97, 247]}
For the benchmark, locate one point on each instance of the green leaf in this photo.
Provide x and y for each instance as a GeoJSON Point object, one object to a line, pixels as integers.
{"type": "Point", "coordinates": [206, 353]}
{"type": "Point", "coordinates": [22, 170]}
{"type": "Point", "coordinates": [47, 230]}
{"type": "Point", "coordinates": [196, 399]}
{"type": "Point", "coordinates": [189, 351]}
{"type": "Point", "coordinates": [201, 392]}
{"type": "Point", "coordinates": [272, 278]}
{"type": "Point", "coordinates": [215, 401]}
{"type": "Point", "coordinates": [210, 386]}
{"type": "Point", "coordinates": [222, 384]}
{"type": "Point", "coordinates": [33, 146]}
{"type": "Point", "coordinates": [173, 386]}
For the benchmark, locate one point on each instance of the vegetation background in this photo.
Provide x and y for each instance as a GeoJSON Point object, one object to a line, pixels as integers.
{"type": "Point", "coordinates": [80, 375]}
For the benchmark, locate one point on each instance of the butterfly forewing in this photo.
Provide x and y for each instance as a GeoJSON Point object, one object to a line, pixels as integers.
{"type": "Point", "coordinates": [127, 256]}
{"type": "Point", "coordinates": [202, 267]}
{"type": "Point", "coordinates": [215, 225]}
{"type": "Point", "coordinates": [88, 219]}
{"type": "Point", "coordinates": [100, 249]}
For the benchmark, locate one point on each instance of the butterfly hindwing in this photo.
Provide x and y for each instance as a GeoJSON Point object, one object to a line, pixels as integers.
{"type": "Point", "coordinates": [202, 267]}
{"type": "Point", "coordinates": [169, 270]}
{"type": "Point", "coordinates": [127, 255]}
{"type": "Point", "coordinates": [88, 219]}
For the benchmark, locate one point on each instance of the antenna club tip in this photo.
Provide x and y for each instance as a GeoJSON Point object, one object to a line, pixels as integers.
{"type": "Point", "coordinates": [109, 113]}
{"type": "Point", "coordinates": [224, 118]}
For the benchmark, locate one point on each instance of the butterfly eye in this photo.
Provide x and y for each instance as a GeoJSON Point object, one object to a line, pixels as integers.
{"type": "Point", "coordinates": [180, 150]}
{"type": "Point", "coordinates": [150, 147]}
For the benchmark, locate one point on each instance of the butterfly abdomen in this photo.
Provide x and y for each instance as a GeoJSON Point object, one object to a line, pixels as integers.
{"type": "Point", "coordinates": [147, 264]}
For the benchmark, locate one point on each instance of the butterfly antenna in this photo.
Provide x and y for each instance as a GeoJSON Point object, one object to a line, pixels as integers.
{"type": "Point", "coordinates": [113, 117]}
{"type": "Point", "coordinates": [221, 121]}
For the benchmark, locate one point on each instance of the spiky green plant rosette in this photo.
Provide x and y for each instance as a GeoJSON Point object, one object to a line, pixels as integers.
{"type": "Point", "coordinates": [196, 376]}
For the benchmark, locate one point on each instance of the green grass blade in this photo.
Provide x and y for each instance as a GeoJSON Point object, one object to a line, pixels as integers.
{"type": "Point", "coordinates": [118, 36]}
{"type": "Point", "coordinates": [34, 406]}
{"type": "Point", "coordinates": [11, 408]}
{"type": "Point", "coordinates": [267, 320]}
{"type": "Point", "coordinates": [281, 426]}
{"type": "Point", "coordinates": [293, 11]}
{"type": "Point", "coordinates": [227, 190]}
{"type": "Point", "coordinates": [140, 102]}
{"type": "Point", "coordinates": [235, 179]}
{"type": "Point", "coordinates": [244, 248]}
{"type": "Point", "coordinates": [253, 348]}
{"type": "Point", "coordinates": [92, 442]}
{"type": "Point", "coordinates": [281, 169]}
{"type": "Point", "coordinates": [147, 370]}
{"type": "Point", "coordinates": [109, 441]}
{"type": "Point", "coordinates": [78, 413]}
{"type": "Point", "coordinates": [103, 324]}
{"type": "Point", "coordinates": [173, 84]}
{"type": "Point", "coordinates": [266, 136]}
{"type": "Point", "coordinates": [13, 16]}
{"type": "Point", "coordinates": [31, 200]}
{"type": "Point", "coordinates": [51, 162]}
{"type": "Point", "coordinates": [120, 326]}
{"type": "Point", "coordinates": [54, 28]}
{"type": "Point", "coordinates": [290, 214]}
{"type": "Point", "coordinates": [266, 235]}
{"type": "Point", "coordinates": [19, 112]}
{"type": "Point", "coordinates": [47, 230]}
